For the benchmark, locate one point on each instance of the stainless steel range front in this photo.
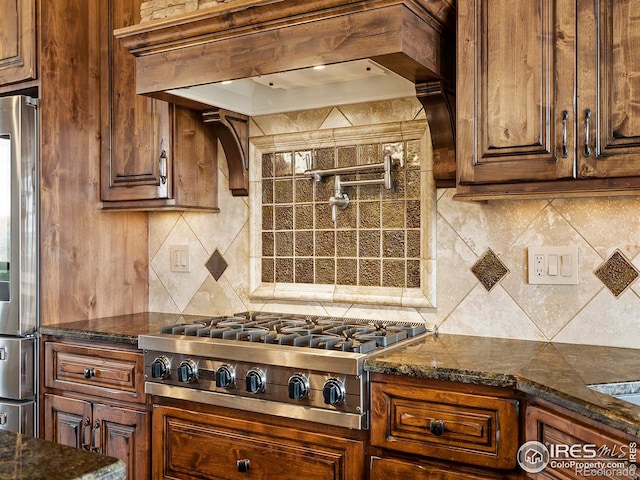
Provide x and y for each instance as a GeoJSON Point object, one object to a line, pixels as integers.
{"type": "Point", "coordinates": [309, 368]}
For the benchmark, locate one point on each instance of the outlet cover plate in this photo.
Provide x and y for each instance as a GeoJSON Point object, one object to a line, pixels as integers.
{"type": "Point", "coordinates": [553, 265]}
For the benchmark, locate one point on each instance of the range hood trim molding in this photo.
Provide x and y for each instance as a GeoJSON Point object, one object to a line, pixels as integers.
{"type": "Point", "coordinates": [247, 38]}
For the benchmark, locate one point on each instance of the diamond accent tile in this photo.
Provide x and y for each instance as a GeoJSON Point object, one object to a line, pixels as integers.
{"type": "Point", "coordinates": [216, 265]}
{"type": "Point", "coordinates": [617, 273]}
{"type": "Point", "coordinates": [489, 270]}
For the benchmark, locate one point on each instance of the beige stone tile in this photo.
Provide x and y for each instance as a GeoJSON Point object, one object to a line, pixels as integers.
{"type": "Point", "coordinates": [368, 295]}
{"type": "Point", "coordinates": [606, 320]}
{"type": "Point", "coordinates": [159, 298]}
{"type": "Point", "coordinates": [384, 313]}
{"type": "Point", "coordinates": [181, 285]}
{"type": "Point", "coordinates": [385, 111]}
{"type": "Point", "coordinates": [605, 222]}
{"type": "Point", "coordinates": [295, 308]}
{"type": "Point", "coordinates": [550, 306]}
{"type": "Point", "coordinates": [494, 225]}
{"type": "Point", "coordinates": [490, 314]}
{"type": "Point", "coordinates": [335, 119]}
{"type": "Point", "coordinates": [218, 230]}
{"type": "Point", "coordinates": [453, 272]}
{"type": "Point", "coordinates": [160, 224]}
{"type": "Point", "coordinates": [215, 298]}
{"type": "Point", "coordinates": [301, 121]}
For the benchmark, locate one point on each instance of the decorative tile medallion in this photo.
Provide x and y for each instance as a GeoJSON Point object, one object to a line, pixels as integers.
{"type": "Point", "coordinates": [617, 273]}
{"type": "Point", "coordinates": [489, 269]}
{"type": "Point", "coordinates": [216, 265]}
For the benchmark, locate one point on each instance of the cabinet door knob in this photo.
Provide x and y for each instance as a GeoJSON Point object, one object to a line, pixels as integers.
{"type": "Point", "coordinates": [436, 427]}
{"type": "Point", "coordinates": [243, 465]}
{"type": "Point", "coordinates": [89, 372]}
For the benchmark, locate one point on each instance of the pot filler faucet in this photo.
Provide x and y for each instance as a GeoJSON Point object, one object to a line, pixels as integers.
{"type": "Point", "coordinates": [341, 199]}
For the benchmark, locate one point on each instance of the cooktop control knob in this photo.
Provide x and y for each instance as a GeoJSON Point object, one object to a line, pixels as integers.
{"type": "Point", "coordinates": [333, 392]}
{"type": "Point", "coordinates": [225, 376]}
{"type": "Point", "coordinates": [298, 386]}
{"type": "Point", "coordinates": [255, 381]}
{"type": "Point", "coordinates": [160, 367]}
{"type": "Point", "coordinates": [187, 371]}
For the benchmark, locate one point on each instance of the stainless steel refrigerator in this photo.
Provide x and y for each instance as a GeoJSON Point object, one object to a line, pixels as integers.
{"type": "Point", "coordinates": [18, 263]}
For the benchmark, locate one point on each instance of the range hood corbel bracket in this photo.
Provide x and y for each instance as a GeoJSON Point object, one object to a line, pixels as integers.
{"type": "Point", "coordinates": [438, 100]}
{"type": "Point", "coordinates": [232, 129]}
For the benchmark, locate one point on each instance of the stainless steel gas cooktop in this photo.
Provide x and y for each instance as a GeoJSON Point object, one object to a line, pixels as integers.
{"type": "Point", "coordinates": [310, 368]}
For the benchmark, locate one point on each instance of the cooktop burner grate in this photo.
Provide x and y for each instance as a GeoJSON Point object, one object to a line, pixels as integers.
{"type": "Point", "coordinates": [326, 333]}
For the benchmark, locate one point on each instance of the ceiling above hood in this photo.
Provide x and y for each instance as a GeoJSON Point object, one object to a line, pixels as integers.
{"type": "Point", "coordinates": [409, 45]}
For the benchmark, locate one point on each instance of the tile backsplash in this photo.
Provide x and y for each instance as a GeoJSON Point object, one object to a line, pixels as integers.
{"type": "Point", "coordinates": [602, 309]}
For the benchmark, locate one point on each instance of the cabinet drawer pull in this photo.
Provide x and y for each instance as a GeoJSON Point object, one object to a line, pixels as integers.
{"type": "Point", "coordinates": [89, 372]}
{"type": "Point", "coordinates": [243, 465]}
{"type": "Point", "coordinates": [163, 167]}
{"type": "Point", "coordinates": [587, 121]}
{"type": "Point", "coordinates": [83, 439]}
{"type": "Point", "coordinates": [565, 118]}
{"type": "Point", "coordinates": [96, 437]}
{"type": "Point", "coordinates": [436, 427]}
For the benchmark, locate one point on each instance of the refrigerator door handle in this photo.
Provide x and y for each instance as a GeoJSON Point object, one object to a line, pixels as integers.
{"type": "Point", "coordinates": [3, 418]}
{"type": "Point", "coordinates": [3, 353]}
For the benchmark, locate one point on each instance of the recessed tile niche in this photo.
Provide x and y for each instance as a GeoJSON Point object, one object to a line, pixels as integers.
{"type": "Point", "coordinates": [379, 251]}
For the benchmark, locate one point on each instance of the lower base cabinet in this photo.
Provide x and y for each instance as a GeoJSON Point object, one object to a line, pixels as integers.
{"type": "Point", "coordinates": [115, 431]}
{"type": "Point", "coordinates": [196, 445]}
{"type": "Point", "coordinates": [580, 448]}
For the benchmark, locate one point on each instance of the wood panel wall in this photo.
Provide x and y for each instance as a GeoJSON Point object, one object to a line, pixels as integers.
{"type": "Point", "coordinates": [92, 263]}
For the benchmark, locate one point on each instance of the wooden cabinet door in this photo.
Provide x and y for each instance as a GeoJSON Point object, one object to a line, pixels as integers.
{"type": "Point", "coordinates": [515, 81]}
{"type": "Point", "coordinates": [609, 89]}
{"type": "Point", "coordinates": [136, 150]}
{"type": "Point", "coordinates": [67, 421]}
{"type": "Point", "coordinates": [17, 41]}
{"type": "Point", "coordinates": [552, 428]}
{"type": "Point", "coordinates": [125, 434]}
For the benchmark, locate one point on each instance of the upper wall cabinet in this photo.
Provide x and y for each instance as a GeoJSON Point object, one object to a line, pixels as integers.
{"type": "Point", "coordinates": [154, 155]}
{"type": "Point", "coordinates": [548, 97]}
{"type": "Point", "coordinates": [17, 41]}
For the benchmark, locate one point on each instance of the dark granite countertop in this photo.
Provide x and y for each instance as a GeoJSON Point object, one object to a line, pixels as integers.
{"type": "Point", "coordinates": [118, 329]}
{"type": "Point", "coordinates": [25, 458]}
{"type": "Point", "coordinates": [557, 372]}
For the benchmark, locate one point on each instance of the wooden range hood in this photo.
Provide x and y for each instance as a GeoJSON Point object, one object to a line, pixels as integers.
{"type": "Point", "coordinates": [248, 38]}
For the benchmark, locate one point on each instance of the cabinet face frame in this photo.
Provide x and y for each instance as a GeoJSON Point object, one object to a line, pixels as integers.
{"type": "Point", "coordinates": [18, 42]}
{"type": "Point", "coordinates": [511, 120]}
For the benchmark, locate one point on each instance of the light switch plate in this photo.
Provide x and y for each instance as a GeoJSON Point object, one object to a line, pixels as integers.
{"type": "Point", "coordinates": [179, 258]}
{"type": "Point", "coordinates": [553, 265]}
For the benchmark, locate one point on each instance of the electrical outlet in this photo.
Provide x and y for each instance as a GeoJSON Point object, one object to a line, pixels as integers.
{"type": "Point", "coordinates": [538, 265]}
{"type": "Point", "coordinates": [179, 258]}
{"type": "Point", "coordinates": [553, 265]}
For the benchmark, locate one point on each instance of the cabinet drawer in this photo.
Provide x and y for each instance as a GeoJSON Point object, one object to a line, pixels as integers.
{"type": "Point", "coordinates": [202, 446]}
{"type": "Point", "coordinates": [551, 429]}
{"type": "Point", "coordinates": [462, 427]}
{"type": "Point", "coordinates": [389, 468]}
{"type": "Point", "coordinates": [105, 372]}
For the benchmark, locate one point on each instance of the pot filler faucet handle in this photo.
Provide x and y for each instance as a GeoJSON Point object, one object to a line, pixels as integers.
{"type": "Point", "coordinates": [339, 200]}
